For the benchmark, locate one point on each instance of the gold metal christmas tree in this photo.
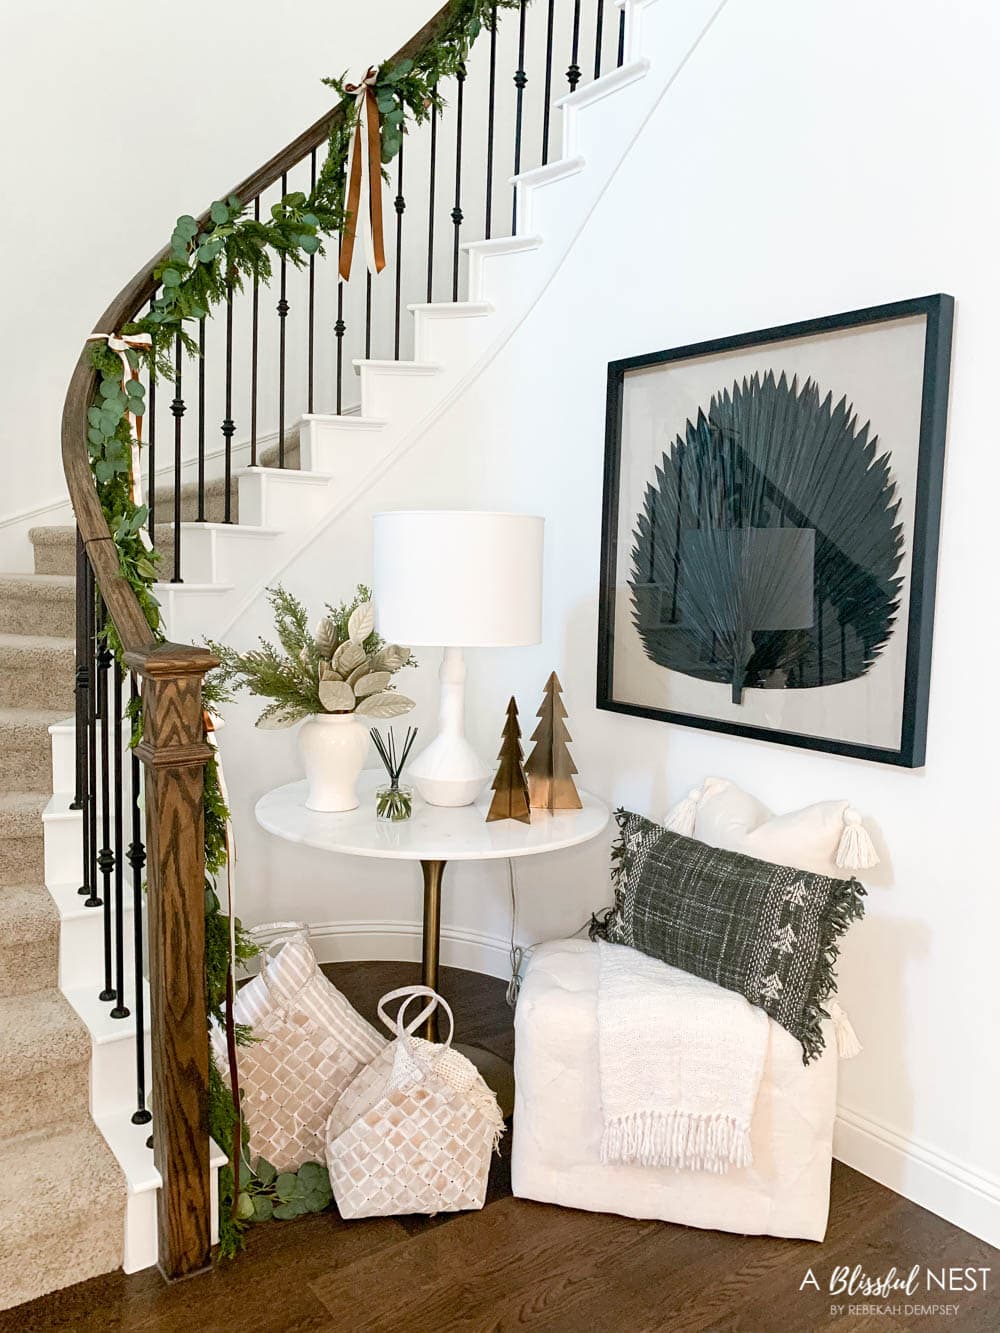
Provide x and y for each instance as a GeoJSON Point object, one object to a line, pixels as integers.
{"type": "Point", "coordinates": [550, 767]}
{"type": "Point", "coordinates": [510, 786]}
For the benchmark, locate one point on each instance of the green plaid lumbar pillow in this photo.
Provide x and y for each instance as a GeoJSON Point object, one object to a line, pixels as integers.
{"type": "Point", "coordinates": [766, 931]}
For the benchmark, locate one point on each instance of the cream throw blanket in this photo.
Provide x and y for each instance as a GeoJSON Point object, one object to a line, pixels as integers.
{"type": "Point", "coordinates": [681, 1061]}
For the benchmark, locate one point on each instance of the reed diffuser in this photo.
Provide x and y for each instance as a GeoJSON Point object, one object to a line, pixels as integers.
{"type": "Point", "coordinates": [393, 800]}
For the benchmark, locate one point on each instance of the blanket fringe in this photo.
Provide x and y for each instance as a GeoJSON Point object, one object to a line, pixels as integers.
{"type": "Point", "coordinates": [681, 1139]}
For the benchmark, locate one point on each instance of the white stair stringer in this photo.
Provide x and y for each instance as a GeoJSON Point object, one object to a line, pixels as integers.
{"type": "Point", "coordinates": [455, 342]}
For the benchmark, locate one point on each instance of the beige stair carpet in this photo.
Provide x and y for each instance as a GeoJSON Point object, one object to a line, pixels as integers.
{"type": "Point", "coordinates": [62, 1194]}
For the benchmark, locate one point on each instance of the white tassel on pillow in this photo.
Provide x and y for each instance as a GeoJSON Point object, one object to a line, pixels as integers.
{"type": "Point", "coordinates": [848, 1045]}
{"type": "Point", "coordinates": [856, 850]}
{"type": "Point", "coordinates": [681, 818]}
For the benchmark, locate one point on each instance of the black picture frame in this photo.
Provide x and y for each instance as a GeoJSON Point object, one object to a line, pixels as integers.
{"type": "Point", "coordinates": [922, 537]}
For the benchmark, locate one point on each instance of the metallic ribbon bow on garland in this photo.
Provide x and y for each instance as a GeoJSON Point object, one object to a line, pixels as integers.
{"type": "Point", "coordinates": [364, 177]}
{"type": "Point", "coordinates": [122, 344]}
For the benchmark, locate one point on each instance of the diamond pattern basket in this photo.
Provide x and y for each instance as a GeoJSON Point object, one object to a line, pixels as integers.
{"type": "Point", "coordinates": [414, 1131]}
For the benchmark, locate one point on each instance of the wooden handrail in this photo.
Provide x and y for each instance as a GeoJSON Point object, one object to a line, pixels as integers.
{"type": "Point", "coordinates": [174, 753]}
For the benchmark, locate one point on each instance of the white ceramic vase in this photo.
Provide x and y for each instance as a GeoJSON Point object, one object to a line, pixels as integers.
{"type": "Point", "coordinates": [333, 748]}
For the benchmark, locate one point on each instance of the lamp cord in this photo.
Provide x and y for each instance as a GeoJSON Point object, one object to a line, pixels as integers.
{"type": "Point", "coordinates": [519, 952]}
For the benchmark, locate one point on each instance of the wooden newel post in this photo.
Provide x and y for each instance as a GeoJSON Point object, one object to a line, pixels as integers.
{"type": "Point", "coordinates": [174, 752]}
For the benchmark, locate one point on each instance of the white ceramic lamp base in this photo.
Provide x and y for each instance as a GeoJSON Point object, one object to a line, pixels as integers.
{"type": "Point", "coordinates": [449, 772]}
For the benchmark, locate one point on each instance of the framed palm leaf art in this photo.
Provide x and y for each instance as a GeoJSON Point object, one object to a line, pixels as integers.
{"type": "Point", "coordinates": [771, 511]}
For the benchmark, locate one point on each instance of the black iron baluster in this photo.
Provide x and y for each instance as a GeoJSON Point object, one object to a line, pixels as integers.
{"type": "Point", "coordinates": [400, 205]}
{"type": "Point", "coordinates": [547, 99]}
{"type": "Point", "coordinates": [201, 421]}
{"type": "Point", "coordinates": [282, 317]}
{"type": "Point", "coordinates": [105, 857]}
{"type": "Point", "coordinates": [368, 314]}
{"type": "Point", "coordinates": [599, 38]}
{"type": "Point", "coordinates": [573, 73]}
{"type": "Point", "coordinates": [255, 310]}
{"type": "Point", "coordinates": [150, 417]}
{"type": "Point", "coordinates": [621, 39]}
{"type": "Point", "coordinates": [430, 206]}
{"type": "Point", "coordinates": [339, 329]}
{"type": "Point", "coordinates": [120, 1010]}
{"type": "Point", "coordinates": [86, 742]}
{"type": "Point", "coordinates": [520, 82]}
{"type": "Point", "coordinates": [228, 425]}
{"type": "Point", "coordinates": [490, 119]}
{"type": "Point", "coordinates": [137, 859]}
{"type": "Point", "coordinates": [80, 681]}
{"type": "Point", "coordinates": [312, 295]}
{"type": "Point", "coordinates": [456, 212]}
{"type": "Point", "coordinates": [177, 408]}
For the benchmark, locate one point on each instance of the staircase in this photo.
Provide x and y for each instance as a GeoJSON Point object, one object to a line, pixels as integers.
{"type": "Point", "coordinates": [58, 1177]}
{"type": "Point", "coordinates": [79, 1189]}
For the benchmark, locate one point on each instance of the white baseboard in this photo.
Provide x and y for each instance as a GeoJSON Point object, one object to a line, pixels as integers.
{"type": "Point", "coordinates": [927, 1177]}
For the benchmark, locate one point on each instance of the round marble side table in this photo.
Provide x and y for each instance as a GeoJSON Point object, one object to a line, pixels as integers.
{"type": "Point", "coordinates": [434, 835]}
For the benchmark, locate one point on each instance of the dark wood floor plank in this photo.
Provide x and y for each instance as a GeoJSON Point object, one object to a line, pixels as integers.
{"type": "Point", "coordinates": [519, 1265]}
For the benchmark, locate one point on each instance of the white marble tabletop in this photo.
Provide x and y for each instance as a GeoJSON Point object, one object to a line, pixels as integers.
{"type": "Point", "coordinates": [433, 833]}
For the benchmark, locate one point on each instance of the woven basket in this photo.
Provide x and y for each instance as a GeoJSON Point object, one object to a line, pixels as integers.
{"type": "Point", "coordinates": [414, 1131]}
{"type": "Point", "coordinates": [309, 1044]}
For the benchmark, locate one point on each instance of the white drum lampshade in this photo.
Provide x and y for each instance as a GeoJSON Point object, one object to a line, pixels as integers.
{"type": "Point", "coordinates": [457, 579]}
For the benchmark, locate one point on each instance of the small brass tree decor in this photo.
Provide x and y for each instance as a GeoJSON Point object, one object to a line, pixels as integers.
{"type": "Point", "coordinates": [550, 766]}
{"type": "Point", "coordinates": [510, 786]}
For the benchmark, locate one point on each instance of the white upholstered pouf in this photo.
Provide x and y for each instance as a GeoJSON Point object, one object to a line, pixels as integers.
{"type": "Point", "coordinates": [558, 1123]}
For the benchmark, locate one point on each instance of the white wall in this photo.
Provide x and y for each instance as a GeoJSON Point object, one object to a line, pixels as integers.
{"type": "Point", "coordinates": [809, 159]}
{"type": "Point", "coordinates": [116, 122]}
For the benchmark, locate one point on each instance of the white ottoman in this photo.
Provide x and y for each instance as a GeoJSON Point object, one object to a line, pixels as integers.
{"type": "Point", "coordinates": [558, 1123]}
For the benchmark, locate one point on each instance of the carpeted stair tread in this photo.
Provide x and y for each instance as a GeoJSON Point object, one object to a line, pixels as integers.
{"type": "Point", "coordinates": [29, 931]}
{"type": "Point", "coordinates": [62, 1211]}
{"type": "Point", "coordinates": [44, 1062]}
{"type": "Point", "coordinates": [22, 849]}
{"type": "Point", "coordinates": [36, 671]}
{"type": "Point", "coordinates": [26, 748]}
{"type": "Point", "coordinates": [37, 604]}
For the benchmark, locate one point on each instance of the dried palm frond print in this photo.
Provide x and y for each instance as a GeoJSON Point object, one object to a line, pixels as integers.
{"type": "Point", "coordinates": [768, 545]}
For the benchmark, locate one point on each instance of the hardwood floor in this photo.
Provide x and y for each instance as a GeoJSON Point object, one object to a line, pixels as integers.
{"type": "Point", "coordinates": [521, 1265]}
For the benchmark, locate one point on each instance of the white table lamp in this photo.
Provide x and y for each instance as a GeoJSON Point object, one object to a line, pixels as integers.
{"type": "Point", "coordinates": [456, 579]}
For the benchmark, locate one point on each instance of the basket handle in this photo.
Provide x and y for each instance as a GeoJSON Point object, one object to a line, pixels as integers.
{"type": "Point", "coordinates": [408, 994]}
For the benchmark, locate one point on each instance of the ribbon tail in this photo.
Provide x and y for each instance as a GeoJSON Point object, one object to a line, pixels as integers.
{"type": "Point", "coordinates": [352, 210]}
{"type": "Point", "coordinates": [376, 251]}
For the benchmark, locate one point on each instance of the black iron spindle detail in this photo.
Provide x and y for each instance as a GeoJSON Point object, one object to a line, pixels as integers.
{"type": "Point", "coordinates": [228, 425]}
{"type": "Point", "coordinates": [490, 119]}
{"type": "Point", "coordinates": [520, 82]}
{"type": "Point", "coordinates": [547, 99]}
{"type": "Point", "coordinates": [621, 39]}
{"type": "Point", "coordinates": [120, 1010]}
{"type": "Point", "coordinates": [599, 38]}
{"type": "Point", "coordinates": [177, 408]}
{"type": "Point", "coordinates": [283, 308]}
{"type": "Point", "coordinates": [88, 741]}
{"type": "Point", "coordinates": [150, 417]}
{"type": "Point", "coordinates": [456, 213]}
{"type": "Point", "coordinates": [106, 856]}
{"type": "Point", "coordinates": [312, 297]}
{"type": "Point", "coordinates": [573, 73]}
{"type": "Point", "coordinates": [400, 206]}
{"type": "Point", "coordinates": [254, 312]}
{"type": "Point", "coordinates": [431, 187]}
{"type": "Point", "coordinates": [201, 421]}
{"type": "Point", "coordinates": [136, 856]}
{"type": "Point", "coordinates": [339, 329]}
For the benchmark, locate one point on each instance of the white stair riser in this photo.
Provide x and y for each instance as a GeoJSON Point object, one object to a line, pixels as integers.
{"type": "Point", "coordinates": [63, 847]}
{"type": "Point", "coordinates": [507, 281]}
{"type": "Point", "coordinates": [141, 1236]}
{"type": "Point", "coordinates": [221, 555]}
{"type": "Point", "coordinates": [112, 1072]}
{"type": "Point", "coordinates": [346, 456]}
{"type": "Point", "coordinates": [81, 949]}
{"type": "Point", "coordinates": [453, 339]}
{"type": "Point", "coordinates": [397, 395]}
{"type": "Point", "coordinates": [190, 615]}
{"type": "Point", "coordinates": [63, 740]}
{"type": "Point", "coordinates": [272, 501]}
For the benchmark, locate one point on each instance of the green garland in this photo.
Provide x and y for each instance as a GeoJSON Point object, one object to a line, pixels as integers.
{"type": "Point", "coordinates": [205, 263]}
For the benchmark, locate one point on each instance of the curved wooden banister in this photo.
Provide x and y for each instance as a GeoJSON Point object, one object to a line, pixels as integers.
{"type": "Point", "coordinates": [174, 752]}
